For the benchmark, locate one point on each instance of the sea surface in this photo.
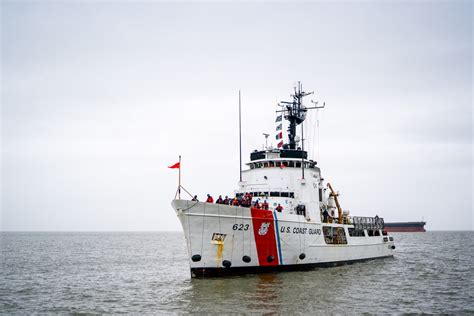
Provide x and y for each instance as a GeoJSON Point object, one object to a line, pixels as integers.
{"type": "Point", "coordinates": [149, 273]}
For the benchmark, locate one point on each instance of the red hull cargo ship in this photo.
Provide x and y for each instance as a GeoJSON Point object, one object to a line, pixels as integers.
{"type": "Point", "coordinates": [399, 227]}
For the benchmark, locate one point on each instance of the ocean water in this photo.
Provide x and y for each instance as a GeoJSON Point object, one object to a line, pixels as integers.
{"type": "Point", "coordinates": [149, 273]}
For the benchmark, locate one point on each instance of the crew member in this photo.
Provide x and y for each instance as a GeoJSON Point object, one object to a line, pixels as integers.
{"type": "Point", "coordinates": [265, 205]}
{"type": "Point", "coordinates": [226, 200]}
{"type": "Point", "coordinates": [257, 204]}
{"type": "Point", "coordinates": [279, 208]}
{"type": "Point", "coordinates": [220, 200]}
{"type": "Point", "coordinates": [209, 199]}
{"type": "Point", "coordinates": [240, 198]}
{"type": "Point", "coordinates": [249, 200]}
{"type": "Point", "coordinates": [325, 216]}
{"type": "Point", "coordinates": [248, 196]}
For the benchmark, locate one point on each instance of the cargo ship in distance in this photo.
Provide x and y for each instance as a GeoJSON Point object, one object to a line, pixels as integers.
{"type": "Point", "coordinates": [406, 227]}
{"type": "Point", "coordinates": [282, 216]}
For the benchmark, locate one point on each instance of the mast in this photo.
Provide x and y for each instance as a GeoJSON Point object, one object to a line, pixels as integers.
{"type": "Point", "coordinates": [240, 139]}
{"type": "Point", "coordinates": [295, 112]}
{"type": "Point", "coordinates": [179, 179]}
{"type": "Point", "coordinates": [302, 149]}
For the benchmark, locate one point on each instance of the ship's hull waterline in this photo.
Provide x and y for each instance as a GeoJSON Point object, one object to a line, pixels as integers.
{"type": "Point", "coordinates": [224, 239]}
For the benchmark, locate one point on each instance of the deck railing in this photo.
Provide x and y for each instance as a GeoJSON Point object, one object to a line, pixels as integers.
{"type": "Point", "coordinates": [369, 223]}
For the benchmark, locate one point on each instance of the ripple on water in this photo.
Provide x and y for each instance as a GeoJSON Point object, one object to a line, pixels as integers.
{"type": "Point", "coordinates": [149, 272]}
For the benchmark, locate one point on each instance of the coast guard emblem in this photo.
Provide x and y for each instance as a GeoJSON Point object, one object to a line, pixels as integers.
{"type": "Point", "coordinates": [263, 230]}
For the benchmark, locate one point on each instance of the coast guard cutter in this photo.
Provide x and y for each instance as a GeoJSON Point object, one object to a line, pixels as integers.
{"type": "Point", "coordinates": [311, 230]}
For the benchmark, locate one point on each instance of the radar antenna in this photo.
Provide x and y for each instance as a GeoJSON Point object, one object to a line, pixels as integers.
{"type": "Point", "coordinates": [295, 112]}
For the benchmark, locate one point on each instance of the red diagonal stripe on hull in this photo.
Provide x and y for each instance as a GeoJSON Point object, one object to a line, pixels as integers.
{"type": "Point", "coordinates": [265, 239]}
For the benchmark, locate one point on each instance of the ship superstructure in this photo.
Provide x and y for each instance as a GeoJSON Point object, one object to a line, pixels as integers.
{"type": "Point", "coordinates": [294, 220]}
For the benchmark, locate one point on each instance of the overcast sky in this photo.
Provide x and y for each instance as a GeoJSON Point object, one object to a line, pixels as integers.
{"type": "Point", "coordinates": [98, 98]}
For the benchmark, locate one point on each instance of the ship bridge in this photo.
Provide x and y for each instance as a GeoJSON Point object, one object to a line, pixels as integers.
{"type": "Point", "coordinates": [281, 158]}
{"type": "Point", "coordinates": [286, 177]}
{"type": "Point", "coordinates": [281, 153]}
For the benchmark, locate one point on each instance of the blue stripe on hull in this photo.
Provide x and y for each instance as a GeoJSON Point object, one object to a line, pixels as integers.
{"type": "Point", "coordinates": [278, 237]}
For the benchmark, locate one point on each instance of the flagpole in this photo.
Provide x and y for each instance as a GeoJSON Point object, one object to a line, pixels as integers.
{"type": "Point", "coordinates": [179, 179]}
{"type": "Point", "coordinates": [240, 139]}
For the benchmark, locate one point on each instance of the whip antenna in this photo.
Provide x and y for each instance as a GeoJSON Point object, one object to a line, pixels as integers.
{"type": "Point", "coordinates": [240, 139]}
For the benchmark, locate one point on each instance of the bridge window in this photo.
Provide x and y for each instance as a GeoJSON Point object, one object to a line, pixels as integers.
{"type": "Point", "coordinates": [273, 194]}
{"type": "Point", "coordinates": [356, 232]}
{"type": "Point", "coordinates": [334, 235]}
{"type": "Point", "coordinates": [372, 232]}
{"type": "Point", "coordinates": [291, 164]}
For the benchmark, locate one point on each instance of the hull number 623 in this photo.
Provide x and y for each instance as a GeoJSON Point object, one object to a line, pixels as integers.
{"type": "Point", "coordinates": [240, 227]}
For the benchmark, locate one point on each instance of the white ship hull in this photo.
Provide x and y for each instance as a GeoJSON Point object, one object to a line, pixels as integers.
{"type": "Point", "coordinates": [223, 239]}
